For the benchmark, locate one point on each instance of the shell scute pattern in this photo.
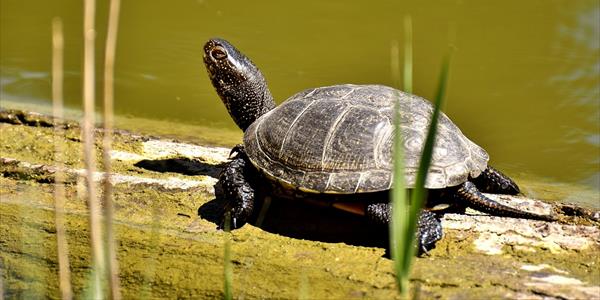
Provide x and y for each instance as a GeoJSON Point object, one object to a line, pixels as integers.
{"type": "Point", "coordinates": [271, 140]}
{"type": "Point", "coordinates": [339, 139]}
{"type": "Point", "coordinates": [309, 136]}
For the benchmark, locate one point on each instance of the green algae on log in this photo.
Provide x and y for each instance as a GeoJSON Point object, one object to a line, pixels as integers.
{"type": "Point", "coordinates": [168, 245]}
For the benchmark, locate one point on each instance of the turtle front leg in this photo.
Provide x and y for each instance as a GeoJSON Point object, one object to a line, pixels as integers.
{"type": "Point", "coordinates": [429, 227]}
{"type": "Point", "coordinates": [493, 181]}
{"type": "Point", "coordinates": [235, 186]}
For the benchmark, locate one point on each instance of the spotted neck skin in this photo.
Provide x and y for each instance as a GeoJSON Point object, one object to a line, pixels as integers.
{"type": "Point", "coordinates": [239, 83]}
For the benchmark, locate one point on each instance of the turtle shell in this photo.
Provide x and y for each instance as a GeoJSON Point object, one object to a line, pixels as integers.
{"type": "Point", "coordinates": [339, 139]}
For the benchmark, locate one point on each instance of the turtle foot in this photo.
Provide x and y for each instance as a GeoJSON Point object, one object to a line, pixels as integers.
{"type": "Point", "coordinates": [235, 188]}
{"type": "Point", "coordinates": [495, 182]}
{"type": "Point", "coordinates": [429, 227]}
{"type": "Point", "coordinates": [429, 231]}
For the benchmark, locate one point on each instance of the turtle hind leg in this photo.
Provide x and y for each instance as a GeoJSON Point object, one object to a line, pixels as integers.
{"type": "Point", "coordinates": [429, 227]}
{"type": "Point", "coordinates": [493, 181]}
{"type": "Point", "coordinates": [235, 187]}
{"type": "Point", "coordinates": [475, 199]}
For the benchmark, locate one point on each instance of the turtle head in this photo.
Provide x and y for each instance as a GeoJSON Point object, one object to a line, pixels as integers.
{"type": "Point", "coordinates": [239, 83]}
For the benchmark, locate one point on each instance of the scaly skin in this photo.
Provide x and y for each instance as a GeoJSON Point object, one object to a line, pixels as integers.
{"type": "Point", "coordinates": [239, 83]}
{"type": "Point", "coordinates": [468, 192]}
{"type": "Point", "coordinates": [244, 92]}
{"type": "Point", "coordinates": [493, 181]}
{"type": "Point", "coordinates": [429, 227]}
{"type": "Point", "coordinates": [236, 186]}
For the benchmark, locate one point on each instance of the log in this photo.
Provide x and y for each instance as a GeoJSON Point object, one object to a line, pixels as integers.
{"type": "Point", "coordinates": [168, 244]}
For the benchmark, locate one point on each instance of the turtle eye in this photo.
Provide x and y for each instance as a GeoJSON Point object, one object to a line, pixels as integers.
{"type": "Point", "coordinates": [218, 53]}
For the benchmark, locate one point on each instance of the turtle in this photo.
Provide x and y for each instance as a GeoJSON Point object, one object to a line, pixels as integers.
{"type": "Point", "coordinates": [334, 145]}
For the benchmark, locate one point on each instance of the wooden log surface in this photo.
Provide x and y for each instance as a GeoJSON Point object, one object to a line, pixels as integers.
{"type": "Point", "coordinates": [166, 215]}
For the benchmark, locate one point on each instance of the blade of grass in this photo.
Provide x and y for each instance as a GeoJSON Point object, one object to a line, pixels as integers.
{"type": "Point", "coordinates": [109, 62]}
{"type": "Point", "coordinates": [419, 192]}
{"type": "Point", "coordinates": [89, 34]}
{"type": "Point", "coordinates": [1, 284]}
{"type": "Point", "coordinates": [408, 55]}
{"type": "Point", "coordinates": [227, 267]}
{"type": "Point", "coordinates": [62, 248]}
{"type": "Point", "coordinates": [399, 240]}
{"type": "Point", "coordinates": [263, 212]}
{"type": "Point", "coordinates": [304, 287]}
{"type": "Point", "coordinates": [405, 213]}
{"type": "Point", "coordinates": [149, 273]}
{"type": "Point", "coordinates": [399, 225]}
{"type": "Point", "coordinates": [395, 63]}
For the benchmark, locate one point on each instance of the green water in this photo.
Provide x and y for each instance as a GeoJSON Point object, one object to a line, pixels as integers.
{"type": "Point", "coordinates": [524, 81]}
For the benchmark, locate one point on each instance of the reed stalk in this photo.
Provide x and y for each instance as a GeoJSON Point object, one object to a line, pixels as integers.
{"type": "Point", "coordinates": [419, 193]}
{"type": "Point", "coordinates": [408, 55]}
{"type": "Point", "coordinates": [395, 63]}
{"type": "Point", "coordinates": [399, 239]}
{"type": "Point", "coordinates": [89, 34]}
{"type": "Point", "coordinates": [227, 267]}
{"type": "Point", "coordinates": [64, 273]}
{"type": "Point", "coordinates": [109, 63]}
{"type": "Point", "coordinates": [406, 210]}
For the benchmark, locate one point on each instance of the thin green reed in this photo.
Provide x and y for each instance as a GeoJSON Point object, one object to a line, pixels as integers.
{"type": "Point", "coordinates": [408, 55]}
{"type": "Point", "coordinates": [227, 267]}
{"type": "Point", "coordinates": [406, 210]}
{"type": "Point", "coordinates": [399, 240]}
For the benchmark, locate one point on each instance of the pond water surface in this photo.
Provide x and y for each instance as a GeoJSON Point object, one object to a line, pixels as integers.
{"type": "Point", "coordinates": [524, 80]}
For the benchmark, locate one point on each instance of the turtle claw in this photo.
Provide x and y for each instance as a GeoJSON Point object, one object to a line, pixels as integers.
{"type": "Point", "coordinates": [223, 225]}
{"type": "Point", "coordinates": [429, 231]}
{"type": "Point", "coordinates": [235, 189]}
{"type": "Point", "coordinates": [429, 227]}
{"type": "Point", "coordinates": [228, 225]}
{"type": "Point", "coordinates": [232, 220]}
{"type": "Point", "coordinates": [236, 150]}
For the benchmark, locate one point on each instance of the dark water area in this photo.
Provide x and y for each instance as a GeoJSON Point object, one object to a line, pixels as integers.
{"type": "Point", "coordinates": [524, 80]}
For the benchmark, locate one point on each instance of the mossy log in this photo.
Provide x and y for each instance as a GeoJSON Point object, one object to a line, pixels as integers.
{"type": "Point", "coordinates": [169, 247]}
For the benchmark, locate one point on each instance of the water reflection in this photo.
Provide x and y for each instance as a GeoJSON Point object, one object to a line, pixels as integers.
{"type": "Point", "coordinates": [578, 82]}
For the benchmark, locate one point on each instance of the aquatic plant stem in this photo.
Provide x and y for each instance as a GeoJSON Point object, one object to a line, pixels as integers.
{"type": "Point", "coordinates": [408, 55]}
{"type": "Point", "coordinates": [89, 34]}
{"type": "Point", "coordinates": [405, 210]}
{"type": "Point", "coordinates": [400, 216]}
{"type": "Point", "coordinates": [400, 239]}
{"type": "Point", "coordinates": [109, 63]}
{"type": "Point", "coordinates": [395, 63]}
{"type": "Point", "coordinates": [419, 193]}
{"type": "Point", "coordinates": [227, 267]}
{"type": "Point", "coordinates": [62, 248]}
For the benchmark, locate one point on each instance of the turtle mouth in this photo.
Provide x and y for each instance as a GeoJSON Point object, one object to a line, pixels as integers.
{"type": "Point", "coordinates": [213, 65]}
{"type": "Point", "coordinates": [210, 66]}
